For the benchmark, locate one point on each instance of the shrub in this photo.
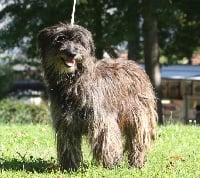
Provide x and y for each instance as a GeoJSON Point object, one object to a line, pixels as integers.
{"type": "Point", "coordinates": [6, 77]}
{"type": "Point", "coordinates": [23, 113]}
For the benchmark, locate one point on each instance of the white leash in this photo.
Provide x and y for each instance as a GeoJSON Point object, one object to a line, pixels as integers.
{"type": "Point", "coordinates": [73, 12]}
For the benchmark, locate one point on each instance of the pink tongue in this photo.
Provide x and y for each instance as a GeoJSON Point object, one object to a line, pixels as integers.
{"type": "Point", "coordinates": [70, 63]}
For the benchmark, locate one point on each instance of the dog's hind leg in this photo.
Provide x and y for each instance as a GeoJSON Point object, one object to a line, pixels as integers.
{"type": "Point", "coordinates": [69, 149]}
{"type": "Point", "coordinates": [106, 141]}
{"type": "Point", "coordinates": [137, 140]}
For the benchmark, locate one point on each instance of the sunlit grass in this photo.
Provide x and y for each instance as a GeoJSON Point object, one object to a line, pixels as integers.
{"type": "Point", "coordinates": [29, 151]}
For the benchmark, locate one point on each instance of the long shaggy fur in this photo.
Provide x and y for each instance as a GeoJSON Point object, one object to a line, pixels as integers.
{"type": "Point", "coordinates": [107, 100]}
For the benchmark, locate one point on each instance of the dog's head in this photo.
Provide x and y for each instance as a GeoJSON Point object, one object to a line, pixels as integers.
{"type": "Point", "coordinates": [64, 47]}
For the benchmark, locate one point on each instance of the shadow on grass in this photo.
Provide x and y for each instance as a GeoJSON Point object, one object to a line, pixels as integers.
{"type": "Point", "coordinates": [33, 165]}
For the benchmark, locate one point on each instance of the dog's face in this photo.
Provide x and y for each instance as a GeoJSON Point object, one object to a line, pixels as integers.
{"type": "Point", "coordinates": [64, 47]}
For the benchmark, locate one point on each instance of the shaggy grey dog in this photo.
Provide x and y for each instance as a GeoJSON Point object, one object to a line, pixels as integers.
{"type": "Point", "coordinates": [107, 100]}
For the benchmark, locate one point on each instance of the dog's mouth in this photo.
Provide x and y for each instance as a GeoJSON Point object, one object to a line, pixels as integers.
{"type": "Point", "coordinates": [69, 62]}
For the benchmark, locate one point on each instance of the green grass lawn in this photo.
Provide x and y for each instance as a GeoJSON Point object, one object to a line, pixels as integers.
{"type": "Point", "coordinates": [29, 151]}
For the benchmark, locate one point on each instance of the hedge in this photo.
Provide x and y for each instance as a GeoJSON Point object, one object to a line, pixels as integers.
{"type": "Point", "coordinates": [22, 113]}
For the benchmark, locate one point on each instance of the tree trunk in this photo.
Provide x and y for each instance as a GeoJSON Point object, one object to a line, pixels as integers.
{"type": "Point", "coordinates": [133, 30]}
{"type": "Point", "coordinates": [151, 51]}
{"type": "Point", "coordinates": [98, 29]}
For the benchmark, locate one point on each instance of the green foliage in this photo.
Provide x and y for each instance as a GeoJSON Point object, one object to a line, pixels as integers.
{"type": "Point", "coordinates": [175, 153]}
{"type": "Point", "coordinates": [178, 29]}
{"type": "Point", "coordinates": [6, 77]}
{"type": "Point", "coordinates": [111, 23]}
{"type": "Point", "coordinates": [27, 18]}
{"type": "Point", "coordinates": [22, 113]}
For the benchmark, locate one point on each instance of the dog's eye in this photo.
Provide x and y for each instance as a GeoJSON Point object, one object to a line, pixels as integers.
{"type": "Point", "coordinates": [78, 40]}
{"type": "Point", "coordinates": [61, 38]}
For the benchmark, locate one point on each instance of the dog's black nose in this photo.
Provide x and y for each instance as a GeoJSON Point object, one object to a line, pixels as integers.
{"type": "Point", "coordinates": [69, 53]}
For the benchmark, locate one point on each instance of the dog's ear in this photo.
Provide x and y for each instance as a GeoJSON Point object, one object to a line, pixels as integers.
{"type": "Point", "coordinates": [41, 39]}
{"type": "Point", "coordinates": [92, 47]}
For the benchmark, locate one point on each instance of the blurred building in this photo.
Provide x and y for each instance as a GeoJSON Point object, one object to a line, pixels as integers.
{"type": "Point", "coordinates": [180, 91]}
{"type": "Point", "coordinates": [196, 59]}
{"type": "Point", "coordinates": [27, 84]}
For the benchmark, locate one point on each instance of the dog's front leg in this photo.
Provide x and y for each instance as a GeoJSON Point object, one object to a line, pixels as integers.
{"type": "Point", "coordinates": [69, 149]}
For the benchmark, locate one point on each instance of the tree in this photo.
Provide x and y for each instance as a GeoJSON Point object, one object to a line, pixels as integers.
{"type": "Point", "coordinates": [96, 16]}
{"type": "Point", "coordinates": [176, 23]}
{"type": "Point", "coordinates": [111, 23]}
{"type": "Point", "coordinates": [133, 33]}
{"type": "Point", "coordinates": [151, 50]}
{"type": "Point", "coordinates": [27, 18]}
